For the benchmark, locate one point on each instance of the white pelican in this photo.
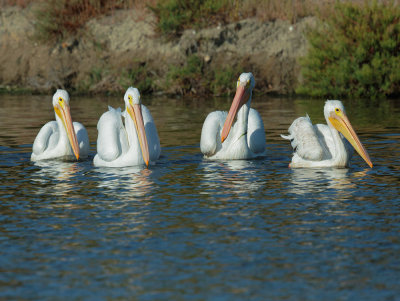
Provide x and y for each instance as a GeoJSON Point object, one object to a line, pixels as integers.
{"type": "Point", "coordinates": [246, 138]}
{"type": "Point", "coordinates": [62, 138]}
{"type": "Point", "coordinates": [322, 145]}
{"type": "Point", "coordinates": [136, 144]}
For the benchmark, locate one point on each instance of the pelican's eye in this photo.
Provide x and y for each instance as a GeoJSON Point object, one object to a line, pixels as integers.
{"type": "Point", "coordinates": [60, 99]}
{"type": "Point", "coordinates": [130, 97]}
{"type": "Point", "coordinates": [337, 110]}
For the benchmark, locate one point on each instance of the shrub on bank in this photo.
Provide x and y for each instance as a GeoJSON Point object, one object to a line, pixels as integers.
{"type": "Point", "coordinates": [356, 53]}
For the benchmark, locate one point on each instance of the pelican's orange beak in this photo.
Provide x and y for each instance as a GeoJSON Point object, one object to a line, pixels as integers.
{"type": "Point", "coordinates": [62, 110]}
{"type": "Point", "coordinates": [343, 125]}
{"type": "Point", "coordinates": [241, 97]}
{"type": "Point", "coordinates": [135, 111]}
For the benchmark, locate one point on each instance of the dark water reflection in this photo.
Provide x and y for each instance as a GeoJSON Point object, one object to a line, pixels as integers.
{"type": "Point", "coordinates": [189, 228]}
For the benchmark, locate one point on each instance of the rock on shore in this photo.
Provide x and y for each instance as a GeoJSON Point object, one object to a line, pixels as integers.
{"type": "Point", "coordinates": [127, 39]}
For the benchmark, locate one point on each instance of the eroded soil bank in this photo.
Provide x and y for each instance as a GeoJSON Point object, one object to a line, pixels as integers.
{"type": "Point", "coordinates": [123, 49]}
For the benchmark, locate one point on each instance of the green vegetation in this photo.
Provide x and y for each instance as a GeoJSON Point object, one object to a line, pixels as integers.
{"type": "Point", "coordinates": [187, 78]}
{"type": "Point", "coordinates": [176, 15]}
{"type": "Point", "coordinates": [195, 77]}
{"type": "Point", "coordinates": [198, 77]}
{"type": "Point", "coordinates": [356, 54]}
{"type": "Point", "coordinates": [95, 76]}
{"type": "Point", "coordinates": [139, 76]}
{"type": "Point", "coordinates": [102, 79]}
{"type": "Point", "coordinates": [223, 79]}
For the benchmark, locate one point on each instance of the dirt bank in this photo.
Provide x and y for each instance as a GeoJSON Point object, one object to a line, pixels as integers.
{"type": "Point", "coordinates": [123, 49]}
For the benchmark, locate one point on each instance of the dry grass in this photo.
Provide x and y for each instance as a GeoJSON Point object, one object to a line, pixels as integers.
{"type": "Point", "coordinates": [265, 10]}
{"type": "Point", "coordinates": [58, 18]}
{"type": "Point", "coordinates": [20, 3]}
{"type": "Point", "coordinates": [291, 10]}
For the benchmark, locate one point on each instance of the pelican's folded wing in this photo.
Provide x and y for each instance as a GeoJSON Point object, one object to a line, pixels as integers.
{"type": "Point", "coordinates": [304, 139]}
{"type": "Point", "coordinates": [256, 132]}
{"type": "Point", "coordinates": [210, 141]}
{"type": "Point", "coordinates": [46, 138]}
{"type": "Point", "coordinates": [112, 140]}
{"type": "Point", "coordinates": [83, 139]}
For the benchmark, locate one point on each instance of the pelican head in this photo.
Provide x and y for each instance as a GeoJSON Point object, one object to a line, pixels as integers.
{"type": "Point", "coordinates": [335, 114]}
{"type": "Point", "coordinates": [61, 108]}
{"type": "Point", "coordinates": [244, 88]}
{"type": "Point", "coordinates": [134, 109]}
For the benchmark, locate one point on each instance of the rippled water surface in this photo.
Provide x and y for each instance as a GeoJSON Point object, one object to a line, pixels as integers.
{"type": "Point", "coordinates": [192, 229]}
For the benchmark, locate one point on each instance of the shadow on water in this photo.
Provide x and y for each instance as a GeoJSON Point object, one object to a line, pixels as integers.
{"type": "Point", "coordinates": [191, 228]}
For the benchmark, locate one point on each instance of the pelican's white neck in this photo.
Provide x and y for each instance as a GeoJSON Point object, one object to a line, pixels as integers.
{"type": "Point", "coordinates": [130, 128]}
{"type": "Point", "coordinates": [340, 155]}
{"type": "Point", "coordinates": [243, 118]}
{"type": "Point", "coordinates": [61, 128]}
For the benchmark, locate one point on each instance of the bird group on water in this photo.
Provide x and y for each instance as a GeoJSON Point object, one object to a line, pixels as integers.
{"type": "Point", "coordinates": [135, 142]}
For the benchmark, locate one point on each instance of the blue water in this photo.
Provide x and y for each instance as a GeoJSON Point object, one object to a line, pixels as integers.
{"type": "Point", "coordinates": [193, 229]}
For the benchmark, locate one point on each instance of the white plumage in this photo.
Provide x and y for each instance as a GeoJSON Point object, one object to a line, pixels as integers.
{"type": "Point", "coordinates": [135, 144]}
{"type": "Point", "coordinates": [322, 145]}
{"type": "Point", "coordinates": [61, 139]}
{"type": "Point", "coordinates": [246, 138]}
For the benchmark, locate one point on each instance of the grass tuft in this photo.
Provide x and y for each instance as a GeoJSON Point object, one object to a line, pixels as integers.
{"type": "Point", "coordinates": [137, 76]}
{"type": "Point", "coordinates": [185, 79]}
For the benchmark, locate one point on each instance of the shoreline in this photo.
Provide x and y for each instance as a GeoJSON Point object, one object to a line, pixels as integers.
{"type": "Point", "coordinates": [121, 50]}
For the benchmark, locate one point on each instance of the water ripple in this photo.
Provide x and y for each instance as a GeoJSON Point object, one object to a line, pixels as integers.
{"type": "Point", "coordinates": [191, 228]}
